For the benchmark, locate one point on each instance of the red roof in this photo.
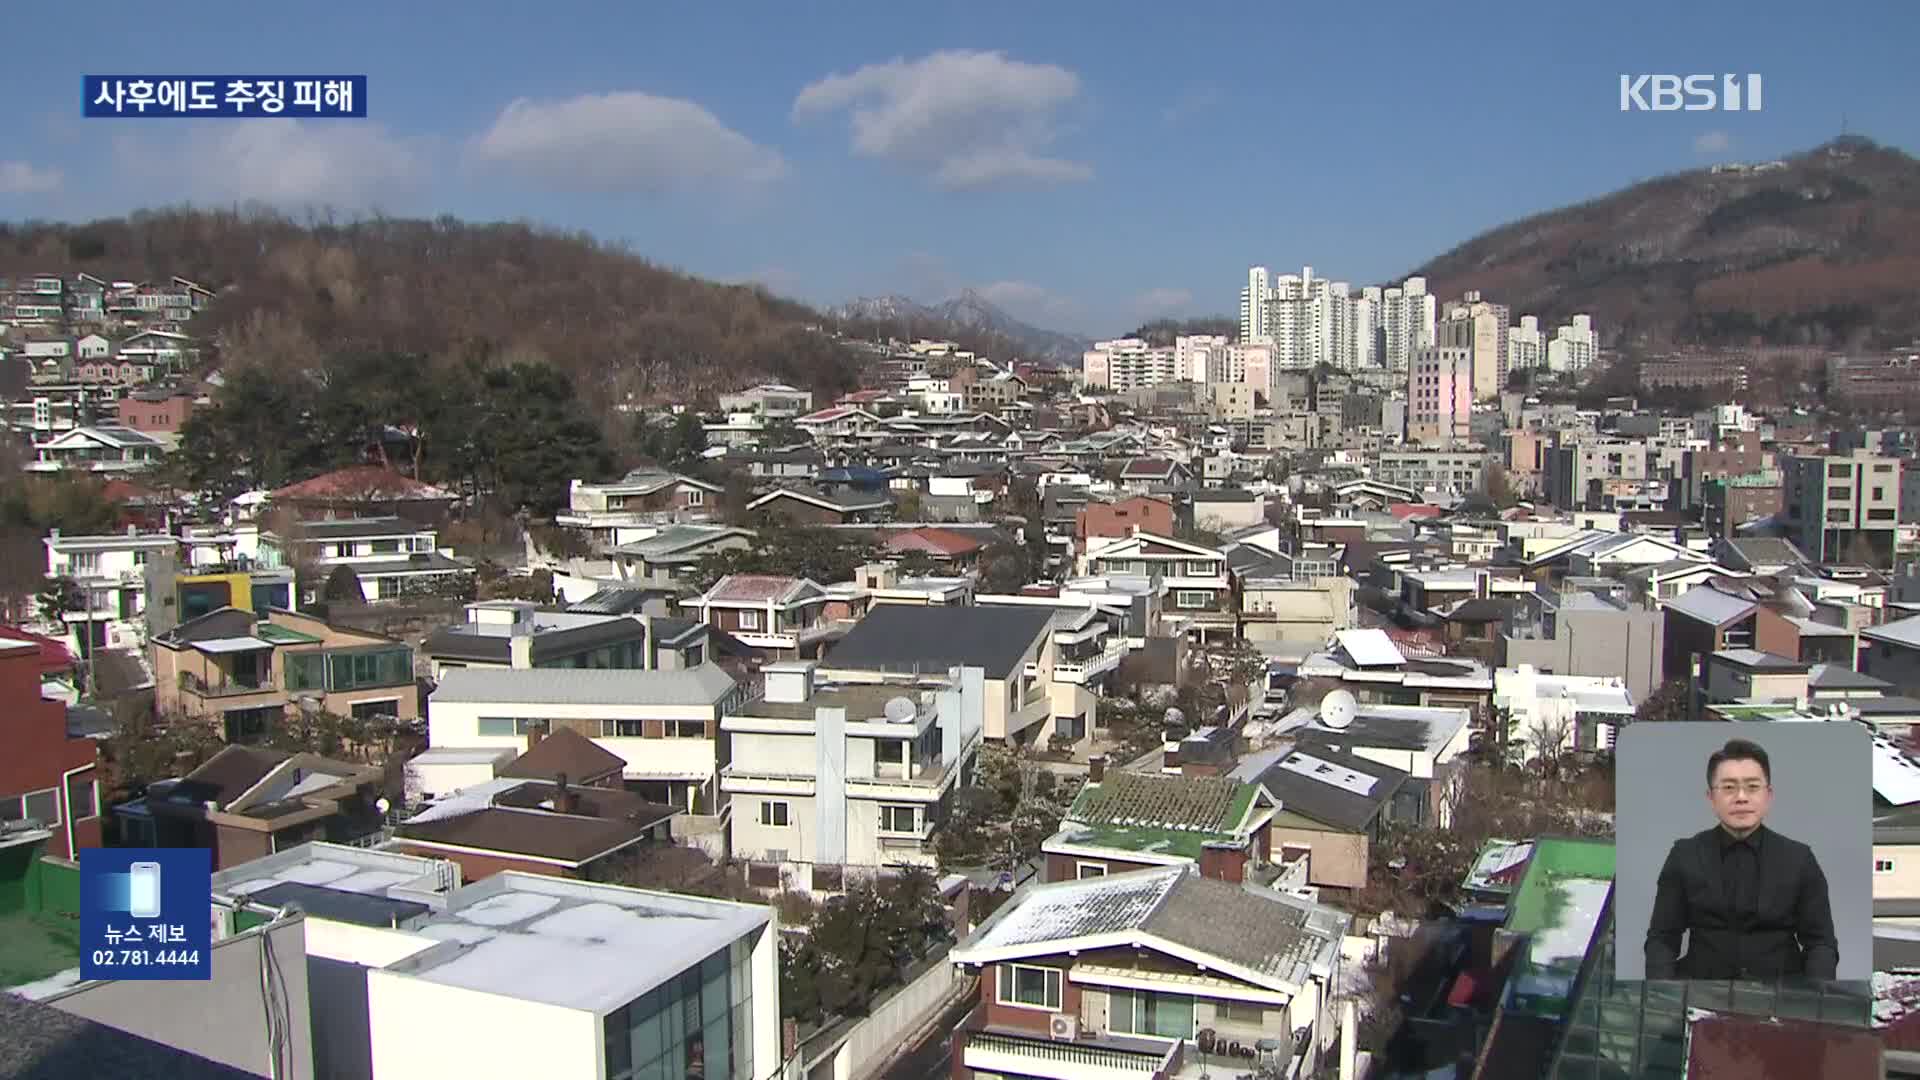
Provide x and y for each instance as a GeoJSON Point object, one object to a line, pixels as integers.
{"type": "Point", "coordinates": [934, 542]}
{"type": "Point", "coordinates": [361, 482]}
{"type": "Point", "coordinates": [739, 587]}
{"type": "Point", "coordinates": [1405, 511]}
{"type": "Point", "coordinates": [865, 397]}
{"type": "Point", "coordinates": [53, 655]}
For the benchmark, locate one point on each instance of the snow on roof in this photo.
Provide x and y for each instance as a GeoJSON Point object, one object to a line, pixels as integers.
{"type": "Point", "coordinates": [1369, 648]}
{"type": "Point", "coordinates": [1072, 909]}
{"type": "Point", "coordinates": [1896, 777]}
{"type": "Point", "coordinates": [467, 800]}
{"type": "Point", "coordinates": [574, 944]}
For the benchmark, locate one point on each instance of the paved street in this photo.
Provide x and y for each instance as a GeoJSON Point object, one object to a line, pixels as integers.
{"type": "Point", "coordinates": [934, 1057]}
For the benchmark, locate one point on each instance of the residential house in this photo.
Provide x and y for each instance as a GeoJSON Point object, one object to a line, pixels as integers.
{"type": "Point", "coordinates": [1586, 633]}
{"type": "Point", "coordinates": [155, 412]}
{"type": "Point", "coordinates": [823, 776]}
{"type": "Point", "coordinates": [943, 546]}
{"type": "Point", "coordinates": [1196, 576]}
{"type": "Point", "coordinates": [1122, 821]}
{"type": "Point", "coordinates": [533, 826]}
{"type": "Point", "coordinates": [1014, 647]}
{"type": "Point", "coordinates": [1751, 676]}
{"type": "Point", "coordinates": [774, 401]}
{"type": "Point", "coordinates": [780, 616]}
{"type": "Point", "coordinates": [1704, 620]}
{"type": "Point", "coordinates": [1142, 474]}
{"type": "Point", "coordinates": [1547, 714]}
{"type": "Point", "coordinates": [1797, 629]}
{"type": "Point", "coordinates": [664, 724]}
{"type": "Point", "coordinates": [1292, 600]}
{"type": "Point", "coordinates": [110, 571]}
{"type": "Point", "coordinates": [1427, 743]}
{"type": "Point", "coordinates": [100, 448]}
{"type": "Point", "coordinates": [246, 802]}
{"type": "Point", "coordinates": [1125, 974]}
{"type": "Point", "coordinates": [798, 506]}
{"type": "Point", "coordinates": [1761, 556]}
{"type": "Point", "coordinates": [838, 423]}
{"type": "Point", "coordinates": [1372, 666]}
{"type": "Point", "coordinates": [1891, 652]}
{"type": "Point", "coordinates": [243, 671]}
{"type": "Point", "coordinates": [635, 506]}
{"type": "Point", "coordinates": [1222, 509]}
{"type": "Point", "coordinates": [363, 492]}
{"type": "Point", "coordinates": [49, 785]}
{"type": "Point", "coordinates": [390, 557]}
{"type": "Point", "coordinates": [1664, 581]}
{"type": "Point", "coordinates": [530, 974]}
{"type": "Point", "coordinates": [669, 558]}
{"type": "Point", "coordinates": [519, 634]}
{"type": "Point", "coordinates": [1096, 520]}
{"type": "Point", "coordinates": [1333, 807]}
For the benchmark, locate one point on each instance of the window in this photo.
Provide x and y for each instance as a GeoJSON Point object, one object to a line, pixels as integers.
{"type": "Point", "coordinates": [1879, 493]}
{"type": "Point", "coordinates": [1086, 870]}
{"type": "Point", "coordinates": [83, 798]}
{"type": "Point", "coordinates": [525, 726]}
{"type": "Point", "coordinates": [1883, 866]}
{"type": "Point", "coordinates": [1139, 1012]}
{"type": "Point", "coordinates": [686, 729]}
{"type": "Point", "coordinates": [1030, 987]}
{"type": "Point", "coordinates": [42, 806]}
{"type": "Point", "coordinates": [1200, 568]}
{"type": "Point", "coordinates": [386, 547]}
{"type": "Point", "coordinates": [379, 667]}
{"type": "Point", "coordinates": [140, 557]}
{"type": "Point", "coordinates": [1839, 471]}
{"type": "Point", "coordinates": [495, 725]}
{"type": "Point", "coordinates": [420, 544]}
{"type": "Point", "coordinates": [749, 620]}
{"type": "Point", "coordinates": [1192, 598]}
{"type": "Point", "coordinates": [1839, 494]}
{"type": "Point", "coordinates": [374, 710]}
{"type": "Point", "coordinates": [305, 670]}
{"type": "Point", "coordinates": [343, 551]}
{"type": "Point", "coordinates": [84, 562]}
{"type": "Point", "coordinates": [1880, 514]}
{"type": "Point", "coordinates": [1838, 515]}
{"type": "Point", "coordinates": [1235, 1012]}
{"type": "Point", "coordinates": [696, 497]}
{"type": "Point", "coordinates": [773, 813]}
{"type": "Point", "coordinates": [1883, 468]}
{"type": "Point", "coordinates": [620, 729]}
{"type": "Point", "coordinates": [900, 819]}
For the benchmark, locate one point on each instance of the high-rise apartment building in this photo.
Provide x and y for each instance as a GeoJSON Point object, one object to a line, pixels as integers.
{"type": "Point", "coordinates": [1406, 322]}
{"type": "Point", "coordinates": [1573, 346]}
{"type": "Point", "coordinates": [1476, 324]}
{"type": "Point", "coordinates": [1128, 364]}
{"type": "Point", "coordinates": [1439, 395]}
{"type": "Point", "coordinates": [1843, 508]}
{"type": "Point", "coordinates": [1526, 346]}
{"type": "Point", "coordinates": [1253, 305]}
{"type": "Point", "coordinates": [1201, 358]}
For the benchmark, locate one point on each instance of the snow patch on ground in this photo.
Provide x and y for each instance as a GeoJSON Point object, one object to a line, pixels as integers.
{"type": "Point", "coordinates": [49, 986]}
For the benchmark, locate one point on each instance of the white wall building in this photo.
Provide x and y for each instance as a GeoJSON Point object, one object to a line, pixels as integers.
{"type": "Point", "coordinates": [1570, 712]}
{"type": "Point", "coordinates": [1526, 346]}
{"type": "Point", "coordinates": [854, 774]}
{"type": "Point", "coordinates": [111, 572]}
{"type": "Point", "coordinates": [1406, 322]}
{"type": "Point", "coordinates": [1129, 364]}
{"type": "Point", "coordinates": [1574, 346]}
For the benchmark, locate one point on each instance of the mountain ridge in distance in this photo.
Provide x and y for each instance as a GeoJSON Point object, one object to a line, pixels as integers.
{"type": "Point", "coordinates": [969, 311]}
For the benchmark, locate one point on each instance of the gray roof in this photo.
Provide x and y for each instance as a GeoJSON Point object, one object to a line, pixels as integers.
{"type": "Point", "coordinates": [901, 637]}
{"type": "Point", "coordinates": [1271, 935]}
{"type": "Point", "coordinates": [1766, 550]}
{"type": "Point", "coordinates": [679, 541]}
{"type": "Point", "coordinates": [1709, 605]}
{"type": "Point", "coordinates": [703, 685]}
{"type": "Point", "coordinates": [1841, 677]}
{"type": "Point", "coordinates": [461, 642]}
{"type": "Point", "coordinates": [1329, 803]}
{"type": "Point", "coordinates": [424, 562]}
{"type": "Point", "coordinates": [352, 528]}
{"type": "Point", "coordinates": [1759, 661]}
{"type": "Point", "coordinates": [41, 1042]}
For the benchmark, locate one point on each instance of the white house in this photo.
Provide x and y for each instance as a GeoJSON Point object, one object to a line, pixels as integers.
{"type": "Point", "coordinates": [854, 774]}
{"type": "Point", "coordinates": [392, 557]}
{"type": "Point", "coordinates": [111, 569]}
{"type": "Point", "coordinates": [104, 448]}
{"type": "Point", "coordinates": [664, 724]}
{"type": "Point", "coordinates": [1566, 712]}
{"type": "Point", "coordinates": [1196, 578]}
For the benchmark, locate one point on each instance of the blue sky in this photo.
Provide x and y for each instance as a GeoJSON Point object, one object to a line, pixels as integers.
{"type": "Point", "coordinates": [1087, 166]}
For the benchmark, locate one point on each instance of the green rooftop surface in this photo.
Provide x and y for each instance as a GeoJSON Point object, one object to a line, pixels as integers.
{"type": "Point", "coordinates": [1157, 840]}
{"type": "Point", "coordinates": [281, 635]}
{"type": "Point", "coordinates": [33, 947]}
{"type": "Point", "coordinates": [1558, 908]}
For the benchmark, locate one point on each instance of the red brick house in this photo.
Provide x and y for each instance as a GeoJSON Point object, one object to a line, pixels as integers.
{"type": "Point", "coordinates": [365, 491]}
{"type": "Point", "coordinates": [155, 413]}
{"type": "Point", "coordinates": [780, 616]}
{"type": "Point", "coordinates": [1111, 520]}
{"type": "Point", "coordinates": [49, 787]}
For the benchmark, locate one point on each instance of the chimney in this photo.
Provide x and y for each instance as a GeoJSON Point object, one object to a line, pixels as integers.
{"type": "Point", "coordinates": [564, 800]}
{"type": "Point", "coordinates": [789, 1037]}
{"type": "Point", "coordinates": [133, 530]}
{"type": "Point", "coordinates": [1223, 861]}
{"type": "Point", "coordinates": [649, 651]}
{"type": "Point", "coordinates": [1096, 768]}
{"type": "Point", "coordinates": [520, 645]}
{"type": "Point", "coordinates": [534, 735]}
{"type": "Point", "coordinates": [1170, 751]}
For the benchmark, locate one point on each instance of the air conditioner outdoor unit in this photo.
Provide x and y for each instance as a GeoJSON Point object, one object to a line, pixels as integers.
{"type": "Point", "coordinates": [1064, 1026]}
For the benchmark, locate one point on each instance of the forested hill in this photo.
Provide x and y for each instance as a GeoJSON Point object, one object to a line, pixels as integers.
{"type": "Point", "coordinates": [290, 292]}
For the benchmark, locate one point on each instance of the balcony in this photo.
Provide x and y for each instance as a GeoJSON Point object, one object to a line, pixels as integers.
{"type": "Point", "coordinates": [735, 780]}
{"type": "Point", "coordinates": [200, 687]}
{"type": "Point", "coordinates": [1090, 667]}
{"type": "Point", "coordinates": [1096, 1058]}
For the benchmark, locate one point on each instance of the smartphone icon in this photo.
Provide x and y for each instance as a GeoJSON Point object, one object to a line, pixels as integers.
{"type": "Point", "coordinates": [143, 893]}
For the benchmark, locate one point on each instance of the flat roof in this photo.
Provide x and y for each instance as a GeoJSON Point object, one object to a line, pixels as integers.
{"type": "Point", "coordinates": [341, 905]}
{"type": "Point", "coordinates": [577, 945]}
{"type": "Point", "coordinates": [703, 685]}
{"type": "Point", "coordinates": [863, 701]}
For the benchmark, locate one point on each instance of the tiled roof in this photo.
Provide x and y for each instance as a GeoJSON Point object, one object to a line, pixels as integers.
{"type": "Point", "coordinates": [1332, 786]}
{"type": "Point", "coordinates": [41, 1042]}
{"type": "Point", "coordinates": [739, 588]}
{"type": "Point", "coordinates": [904, 637]}
{"type": "Point", "coordinates": [1198, 803]}
{"type": "Point", "coordinates": [935, 541]}
{"type": "Point", "coordinates": [566, 753]}
{"type": "Point", "coordinates": [568, 838]}
{"type": "Point", "coordinates": [1148, 467]}
{"type": "Point", "coordinates": [362, 482]}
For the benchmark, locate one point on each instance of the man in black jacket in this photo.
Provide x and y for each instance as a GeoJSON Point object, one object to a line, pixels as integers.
{"type": "Point", "coordinates": [1753, 903]}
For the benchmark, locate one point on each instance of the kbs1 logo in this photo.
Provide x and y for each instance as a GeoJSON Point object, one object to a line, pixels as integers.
{"type": "Point", "coordinates": [1689, 93]}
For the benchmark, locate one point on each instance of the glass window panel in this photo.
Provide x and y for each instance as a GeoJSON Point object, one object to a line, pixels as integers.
{"type": "Point", "coordinates": [718, 1048]}
{"type": "Point", "coordinates": [647, 1040]}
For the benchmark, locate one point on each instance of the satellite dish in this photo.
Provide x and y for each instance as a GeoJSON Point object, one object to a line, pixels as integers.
{"type": "Point", "coordinates": [901, 710]}
{"type": "Point", "coordinates": [381, 804]}
{"type": "Point", "coordinates": [1337, 709]}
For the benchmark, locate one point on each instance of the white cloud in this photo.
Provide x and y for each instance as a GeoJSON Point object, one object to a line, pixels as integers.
{"type": "Point", "coordinates": [1712, 142]}
{"type": "Point", "coordinates": [965, 119]}
{"type": "Point", "coordinates": [1161, 301]}
{"type": "Point", "coordinates": [23, 178]}
{"type": "Point", "coordinates": [282, 162]}
{"type": "Point", "coordinates": [623, 142]}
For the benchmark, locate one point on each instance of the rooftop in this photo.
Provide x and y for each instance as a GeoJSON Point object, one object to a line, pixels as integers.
{"type": "Point", "coordinates": [360, 528]}
{"type": "Point", "coordinates": [1331, 786]}
{"type": "Point", "coordinates": [573, 944]}
{"type": "Point", "coordinates": [1158, 814]}
{"type": "Point", "coordinates": [909, 638]}
{"type": "Point", "coordinates": [704, 685]}
{"type": "Point", "coordinates": [862, 701]}
{"type": "Point", "coordinates": [1559, 904]}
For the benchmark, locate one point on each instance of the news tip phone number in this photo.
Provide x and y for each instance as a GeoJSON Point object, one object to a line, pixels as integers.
{"type": "Point", "coordinates": [146, 957]}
